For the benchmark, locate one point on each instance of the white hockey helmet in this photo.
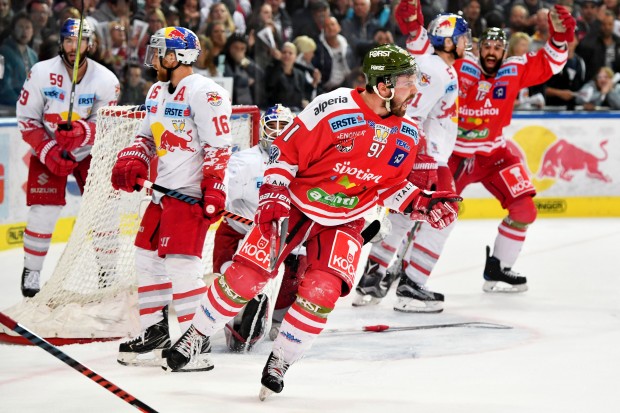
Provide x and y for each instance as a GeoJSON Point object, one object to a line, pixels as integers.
{"type": "Point", "coordinates": [273, 122]}
{"type": "Point", "coordinates": [183, 42]}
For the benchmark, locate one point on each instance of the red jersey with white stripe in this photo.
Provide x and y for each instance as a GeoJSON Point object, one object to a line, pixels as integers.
{"type": "Point", "coordinates": [339, 159]}
{"type": "Point", "coordinates": [486, 102]}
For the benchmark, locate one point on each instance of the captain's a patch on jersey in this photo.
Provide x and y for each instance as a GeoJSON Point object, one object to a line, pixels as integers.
{"type": "Point", "coordinates": [398, 157]}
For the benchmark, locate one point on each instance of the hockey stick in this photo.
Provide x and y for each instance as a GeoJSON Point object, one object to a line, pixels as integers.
{"type": "Point", "coordinates": [368, 233]}
{"type": "Point", "coordinates": [76, 66]}
{"type": "Point", "coordinates": [379, 328]}
{"type": "Point", "coordinates": [76, 365]}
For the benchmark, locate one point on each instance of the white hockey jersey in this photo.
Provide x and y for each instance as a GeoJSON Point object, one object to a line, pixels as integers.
{"type": "Point", "coordinates": [181, 128]}
{"type": "Point", "coordinates": [244, 178]}
{"type": "Point", "coordinates": [44, 100]}
{"type": "Point", "coordinates": [435, 107]}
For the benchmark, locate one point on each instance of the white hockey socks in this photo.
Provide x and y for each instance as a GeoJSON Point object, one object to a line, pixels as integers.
{"type": "Point", "coordinates": [188, 287]}
{"type": "Point", "coordinates": [38, 234]}
{"type": "Point", "coordinates": [424, 252]}
{"type": "Point", "coordinates": [508, 244]}
{"type": "Point", "coordinates": [154, 287]}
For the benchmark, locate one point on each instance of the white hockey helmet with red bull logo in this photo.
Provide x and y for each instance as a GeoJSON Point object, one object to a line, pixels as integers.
{"type": "Point", "coordinates": [183, 42]}
{"type": "Point", "coordinates": [273, 122]}
{"type": "Point", "coordinates": [449, 26]}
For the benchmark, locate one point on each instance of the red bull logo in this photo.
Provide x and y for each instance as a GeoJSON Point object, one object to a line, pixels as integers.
{"type": "Point", "coordinates": [214, 98]}
{"type": "Point", "coordinates": [447, 111]}
{"type": "Point", "coordinates": [446, 24]}
{"type": "Point", "coordinates": [563, 159]}
{"type": "Point", "coordinates": [175, 33]}
{"type": "Point", "coordinates": [171, 142]}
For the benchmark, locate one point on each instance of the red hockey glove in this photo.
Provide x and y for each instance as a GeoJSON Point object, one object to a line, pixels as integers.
{"type": "Point", "coordinates": [81, 133]}
{"type": "Point", "coordinates": [438, 208]}
{"type": "Point", "coordinates": [561, 24]}
{"type": "Point", "coordinates": [131, 163]}
{"type": "Point", "coordinates": [424, 173]}
{"type": "Point", "coordinates": [274, 203]}
{"type": "Point", "coordinates": [409, 16]}
{"type": "Point", "coordinates": [51, 154]}
{"type": "Point", "coordinates": [214, 198]}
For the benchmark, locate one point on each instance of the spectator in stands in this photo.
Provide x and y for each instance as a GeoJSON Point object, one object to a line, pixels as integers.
{"type": "Point", "coordinates": [532, 7]}
{"type": "Point", "coordinates": [541, 33]}
{"type": "Point", "coordinates": [149, 7]}
{"type": "Point", "coordinates": [247, 76]}
{"type": "Point", "coordinates": [18, 58]}
{"type": "Point", "coordinates": [600, 92]}
{"type": "Point", "coordinates": [334, 58]}
{"type": "Point", "coordinates": [219, 12]}
{"type": "Point", "coordinates": [286, 83]}
{"type": "Point", "coordinates": [601, 48]}
{"type": "Point", "coordinates": [281, 19]}
{"type": "Point", "coordinates": [341, 9]}
{"type": "Point", "coordinates": [588, 21]}
{"type": "Point", "coordinates": [359, 29]}
{"type": "Point", "coordinates": [6, 15]}
{"type": "Point", "coordinates": [380, 11]}
{"type": "Point", "coordinates": [306, 47]}
{"type": "Point", "coordinates": [561, 89]}
{"type": "Point", "coordinates": [216, 32]}
{"type": "Point", "coordinates": [49, 47]}
{"type": "Point", "coordinates": [205, 65]}
{"type": "Point", "coordinates": [190, 14]}
{"type": "Point", "coordinates": [471, 13]}
{"type": "Point", "coordinates": [40, 13]}
{"type": "Point", "coordinates": [319, 11]}
{"type": "Point", "coordinates": [134, 88]}
{"type": "Point", "coordinates": [264, 40]}
{"type": "Point", "coordinates": [156, 21]}
{"type": "Point", "coordinates": [528, 98]}
{"type": "Point", "coordinates": [173, 16]}
{"type": "Point", "coordinates": [110, 10]}
{"type": "Point", "coordinates": [517, 20]}
{"type": "Point", "coordinates": [117, 54]}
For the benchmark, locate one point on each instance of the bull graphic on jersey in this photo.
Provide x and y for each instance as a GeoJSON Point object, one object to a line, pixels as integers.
{"type": "Point", "coordinates": [167, 141]}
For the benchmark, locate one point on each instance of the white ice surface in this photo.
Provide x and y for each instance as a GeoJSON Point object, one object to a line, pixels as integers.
{"type": "Point", "coordinates": [563, 354]}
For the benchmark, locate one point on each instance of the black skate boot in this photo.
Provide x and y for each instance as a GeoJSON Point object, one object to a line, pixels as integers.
{"type": "Point", "coordinates": [498, 280]}
{"type": "Point", "coordinates": [30, 282]}
{"type": "Point", "coordinates": [415, 298]}
{"type": "Point", "coordinates": [189, 353]}
{"type": "Point", "coordinates": [273, 376]}
{"type": "Point", "coordinates": [371, 289]}
{"type": "Point", "coordinates": [147, 348]}
{"type": "Point", "coordinates": [251, 328]}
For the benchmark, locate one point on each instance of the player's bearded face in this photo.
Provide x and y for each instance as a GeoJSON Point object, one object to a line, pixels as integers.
{"type": "Point", "coordinates": [491, 55]}
{"type": "Point", "coordinates": [404, 91]}
{"type": "Point", "coordinates": [69, 47]}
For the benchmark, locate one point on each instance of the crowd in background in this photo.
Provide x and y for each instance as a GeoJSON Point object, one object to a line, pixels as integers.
{"type": "Point", "coordinates": [287, 53]}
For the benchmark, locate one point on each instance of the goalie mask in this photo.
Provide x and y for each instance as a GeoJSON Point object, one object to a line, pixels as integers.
{"type": "Point", "coordinates": [272, 123]}
{"type": "Point", "coordinates": [71, 29]}
{"type": "Point", "coordinates": [178, 40]}
{"type": "Point", "coordinates": [449, 26]}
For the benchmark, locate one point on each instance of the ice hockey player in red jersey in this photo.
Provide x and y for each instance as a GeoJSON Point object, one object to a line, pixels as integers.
{"type": "Point", "coordinates": [344, 153]}
{"type": "Point", "coordinates": [187, 128]}
{"type": "Point", "coordinates": [57, 151]}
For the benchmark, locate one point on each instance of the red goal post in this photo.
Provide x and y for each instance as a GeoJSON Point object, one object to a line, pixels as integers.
{"type": "Point", "coordinates": [91, 296]}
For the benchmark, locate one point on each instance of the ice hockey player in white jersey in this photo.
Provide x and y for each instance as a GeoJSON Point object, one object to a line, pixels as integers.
{"type": "Point", "coordinates": [244, 179]}
{"type": "Point", "coordinates": [435, 109]}
{"type": "Point", "coordinates": [59, 149]}
{"type": "Point", "coordinates": [187, 128]}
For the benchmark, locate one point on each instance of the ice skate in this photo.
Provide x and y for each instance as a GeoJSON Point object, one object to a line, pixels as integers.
{"type": "Point", "coordinates": [147, 348]}
{"type": "Point", "coordinates": [251, 326]}
{"type": "Point", "coordinates": [30, 282]}
{"type": "Point", "coordinates": [498, 280]}
{"type": "Point", "coordinates": [273, 376]}
{"type": "Point", "coordinates": [415, 298]}
{"type": "Point", "coordinates": [189, 353]}
{"type": "Point", "coordinates": [371, 289]}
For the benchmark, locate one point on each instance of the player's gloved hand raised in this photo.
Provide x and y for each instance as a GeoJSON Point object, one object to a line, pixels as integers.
{"type": "Point", "coordinates": [51, 154]}
{"type": "Point", "coordinates": [80, 133]}
{"type": "Point", "coordinates": [409, 16]}
{"type": "Point", "coordinates": [213, 197]}
{"type": "Point", "coordinates": [131, 163]}
{"type": "Point", "coordinates": [561, 24]}
{"type": "Point", "coordinates": [424, 172]}
{"type": "Point", "coordinates": [274, 203]}
{"type": "Point", "coordinates": [439, 208]}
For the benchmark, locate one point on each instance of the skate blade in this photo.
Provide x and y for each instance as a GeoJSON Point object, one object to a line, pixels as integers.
{"type": "Point", "coordinates": [264, 393]}
{"type": "Point", "coordinates": [502, 287]}
{"type": "Point", "coordinates": [200, 363]}
{"type": "Point", "coordinates": [363, 300]}
{"type": "Point", "coordinates": [150, 359]}
{"type": "Point", "coordinates": [408, 305]}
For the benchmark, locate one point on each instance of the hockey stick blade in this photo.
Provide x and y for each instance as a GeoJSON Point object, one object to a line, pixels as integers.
{"type": "Point", "coordinates": [371, 230]}
{"type": "Point", "coordinates": [74, 364]}
{"type": "Point", "coordinates": [143, 183]}
{"type": "Point", "coordinates": [379, 328]}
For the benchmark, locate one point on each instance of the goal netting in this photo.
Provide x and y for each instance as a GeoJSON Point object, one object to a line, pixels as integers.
{"type": "Point", "coordinates": [91, 295]}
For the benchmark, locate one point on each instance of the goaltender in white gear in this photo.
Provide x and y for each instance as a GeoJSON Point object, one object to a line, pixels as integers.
{"type": "Point", "coordinates": [435, 109]}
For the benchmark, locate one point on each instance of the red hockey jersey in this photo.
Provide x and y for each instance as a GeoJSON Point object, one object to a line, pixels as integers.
{"type": "Point", "coordinates": [486, 103]}
{"type": "Point", "coordinates": [339, 159]}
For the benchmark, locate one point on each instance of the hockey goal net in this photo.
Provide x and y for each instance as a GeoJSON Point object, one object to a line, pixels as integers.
{"type": "Point", "coordinates": [91, 295]}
